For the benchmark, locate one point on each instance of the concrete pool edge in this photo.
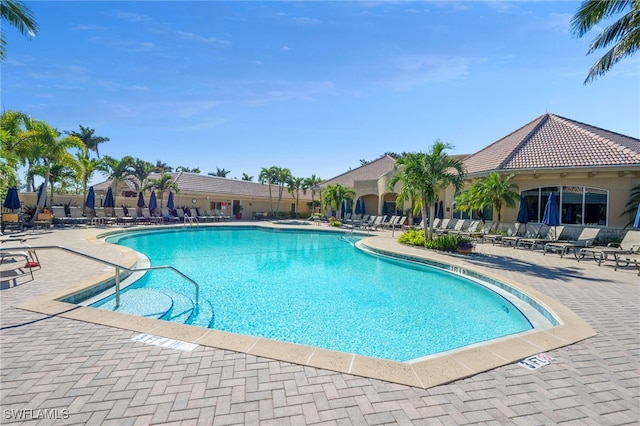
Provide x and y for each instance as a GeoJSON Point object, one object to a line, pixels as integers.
{"type": "Point", "coordinates": [433, 370]}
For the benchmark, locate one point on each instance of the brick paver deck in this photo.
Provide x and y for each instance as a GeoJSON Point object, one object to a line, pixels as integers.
{"type": "Point", "coordinates": [83, 373]}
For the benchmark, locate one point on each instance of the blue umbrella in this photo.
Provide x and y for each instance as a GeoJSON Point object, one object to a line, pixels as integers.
{"type": "Point", "coordinates": [636, 223]}
{"type": "Point", "coordinates": [91, 199]}
{"type": "Point", "coordinates": [551, 214]}
{"type": "Point", "coordinates": [153, 202]}
{"type": "Point", "coordinates": [362, 210]}
{"type": "Point", "coordinates": [170, 204]}
{"type": "Point", "coordinates": [384, 209]}
{"type": "Point", "coordinates": [523, 212]}
{"type": "Point", "coordinates": [141, 200]}
{"type": "Point", "coordinates": [109, 202]}
{"type": "Point", "coordinates": [358, 207]}
{"type": "Point", "coordinates": [440, 212]}
{"type": "Point", "coordinates": [343, 210]}
{"type": "Point", "coordinates": [40, 189]}
{"type": "Point", "coordinates": [12, 201]}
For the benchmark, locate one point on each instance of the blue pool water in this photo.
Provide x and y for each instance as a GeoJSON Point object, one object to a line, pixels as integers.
{"type": "Point", "coordinates": [316, 289]}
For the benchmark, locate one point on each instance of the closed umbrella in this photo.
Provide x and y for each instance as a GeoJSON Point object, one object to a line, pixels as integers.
{"type": "Point", "coordinates": [343, 210]}
{"type": "Point", "coordinates": [170, 204]}
{"type": "Point", "coordinates": [551, 214]}
{"type": "Point", "coordinates": [141, 200]}
{"type": "Point", "coordinates": [362, 210]}
{"type": "Point", "coordinates": [90, 203]}
{"type": "Point", "coordinates": [40, 190]}
{"type": "Point", "coordinates": [358, 207]}
{"type": "Point", "coordinates": [153, 202]}
{"type": "Point", "coordinates": [523, 212]}
{"type": "Point", "coordinates": [440, 212]}
{"type": "Point", "coordinates": [12, 201]}
{"type": "Point", "coordinates": [636, 223]}
{"type": "Point", "coordinates": [109, 202]}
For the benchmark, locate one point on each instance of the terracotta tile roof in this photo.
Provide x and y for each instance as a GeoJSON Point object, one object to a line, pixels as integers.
{"type": "Point", "coordinates": [551, 141]}
{"type": "Point", "coordinates": [195, 183]}
{"type": "Point", "coordinates": [370, 171]}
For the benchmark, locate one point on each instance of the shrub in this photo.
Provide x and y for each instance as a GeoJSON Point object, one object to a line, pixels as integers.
{"type": "Point", "coordinates": [412, 237]}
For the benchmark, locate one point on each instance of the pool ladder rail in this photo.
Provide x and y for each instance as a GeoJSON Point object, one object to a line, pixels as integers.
{"type": "Point", "coordinates": [117, 267]}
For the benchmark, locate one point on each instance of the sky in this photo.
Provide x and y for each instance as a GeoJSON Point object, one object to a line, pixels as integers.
{"type": "Point", "coordinates": [314, 86]}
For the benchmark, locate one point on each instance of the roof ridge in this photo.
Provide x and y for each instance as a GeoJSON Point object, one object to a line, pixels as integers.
{"type": "Point", "coordinates": [359, 167]}
{"type": "Point", "coordinates": [542, 119]}
{"type": "Point", "coordinates": [585, 128]}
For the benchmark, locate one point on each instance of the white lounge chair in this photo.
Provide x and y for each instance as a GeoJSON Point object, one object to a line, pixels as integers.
{"type": "Point", "coordinates": [630, 244]}
{"type": "Point", "coordinates": [585, 239]}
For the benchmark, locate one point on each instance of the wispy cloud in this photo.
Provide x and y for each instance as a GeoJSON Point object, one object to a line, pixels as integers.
{"type": "Point", "coordinates": [305, 20]}
{"type": "Point", "coordinates": [409, 72]}
{"type": "Point", "coordinates": [82, 27]}
{"type": "Point", "coordinates": [132, 17]}
{"type": "Point", "coordinates": [196, 37]}
{"type": "Point", "coordinates": [559, 22]}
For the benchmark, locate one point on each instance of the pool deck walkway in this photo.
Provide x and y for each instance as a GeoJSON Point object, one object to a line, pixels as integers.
{"type": "Point", "coordinates": [84, 373]}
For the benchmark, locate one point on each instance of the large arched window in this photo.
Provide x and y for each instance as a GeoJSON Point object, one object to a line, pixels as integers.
{"type": "Point", "coordinates": [579, 205]}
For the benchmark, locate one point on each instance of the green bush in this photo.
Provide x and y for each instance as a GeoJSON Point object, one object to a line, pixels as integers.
{"type": "Point", "coordinates": [412, 237]}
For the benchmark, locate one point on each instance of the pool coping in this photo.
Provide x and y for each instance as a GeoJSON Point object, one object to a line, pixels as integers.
{"type": "Point", "coordinates": [424, 373]}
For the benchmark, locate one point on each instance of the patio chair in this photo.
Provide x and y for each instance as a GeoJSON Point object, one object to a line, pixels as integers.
{"type": "Point", "coordinates": [466, 228]}
{"type": "Point", "coordinates": [627, 259]}
{"type": "Point", "coordinates": [30, 258]}
{"type": "Point", "coordinates": [585, 239]}
{"type": "Point", "coordinates": [121, 217]}
{"type": "Point", "coordinates": [12, 221]}
{"type": "Point", "coordinates": [444, 225]}
{"type": "Point", "coordinates": [76, 214]}
{"type": "Point", "coordinates": [482, 230]}
{"type": "Point", "coordinates": [518, 232]}
{"type": "Point", "coordinates": [167, 216]}
{"type": "Point", "coordinates": [44, 221]}
{"type": "Point", "coordinates": [149, 218]}
{"type": "Point", "coordinates": [553, 234]}
{"type": "Point", "coordinates": [630, 244]}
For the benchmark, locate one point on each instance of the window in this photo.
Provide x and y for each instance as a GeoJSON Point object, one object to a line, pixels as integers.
{"type": "Point", "coordinates": [579, 205]}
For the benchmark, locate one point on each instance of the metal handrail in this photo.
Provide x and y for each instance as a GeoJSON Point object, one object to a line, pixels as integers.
{"type": "Point", "coordinates": [106, 262]}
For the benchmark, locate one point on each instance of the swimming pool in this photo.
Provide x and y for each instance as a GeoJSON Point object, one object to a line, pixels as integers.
{"type": "Point", "coordinates": [315, 288]}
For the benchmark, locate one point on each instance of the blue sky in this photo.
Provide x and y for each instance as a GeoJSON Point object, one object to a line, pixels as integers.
{"type": "Point", "coordinates": [312, 86]}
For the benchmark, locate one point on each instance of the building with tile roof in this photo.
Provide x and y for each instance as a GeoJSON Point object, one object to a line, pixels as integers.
{"type": "Point", "coordinates": [590, 170]}
{"type": "Point", "coordinates": [219, 194]}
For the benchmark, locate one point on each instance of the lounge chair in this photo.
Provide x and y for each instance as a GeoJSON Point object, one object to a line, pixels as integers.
{"type": "Point", "coordinates": [185, 218]}
{"type": "Point", "coordinates": [585, 239]}
{"type": "Point", "coordinates": [481, 230]}
{"type": "Point", "coordinates": [121, 217]}
{"type": "Point", "coordinates": [148, 217]}
{"type": "Point", "coordinates": [76, 214]}
{"type": "Point", "coordinates": [444, 225]}
{"type": "Point", "coordinates": [630, 244]}
{"type": "Point", "coordinates": [627, 259]}
{"type": "Point", "coordinates": [30, 258]}
{"type": "Point", "coordinates": [466, 228]}
{"type": "Point", "coordinates": [553, 234]}
{"type": "Point", "coordinates": [12, 221]}
{"type": "Point", "coordinates": [167, 216]}
{"type": "Point", "coordinates": [396, 223]}
{"type": "Point", "coordinates": [44, 221]}
{"type": "Point", "coordinates": [518, 232]}
{"type": "Point", "coordinates": [377, 223]}
{"type": "Point", "coordinates": [60, 216]}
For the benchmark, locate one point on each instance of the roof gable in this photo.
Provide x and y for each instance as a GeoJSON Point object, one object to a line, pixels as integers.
{"type": "Point", "coordinates": [551, 141]}
{"type": "Point", "coordinates": [370, 171]}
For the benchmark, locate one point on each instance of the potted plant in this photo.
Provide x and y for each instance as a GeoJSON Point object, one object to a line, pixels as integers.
{"type": "Point", "coordinates": [239, 212]}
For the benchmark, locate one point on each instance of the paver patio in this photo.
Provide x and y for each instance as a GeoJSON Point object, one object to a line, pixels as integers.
{"type": "Point", "coordinates": [85, 373]}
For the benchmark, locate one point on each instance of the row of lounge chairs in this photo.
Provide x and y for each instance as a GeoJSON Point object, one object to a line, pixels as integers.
{"type": "Point", "coordinates": [375, 222]}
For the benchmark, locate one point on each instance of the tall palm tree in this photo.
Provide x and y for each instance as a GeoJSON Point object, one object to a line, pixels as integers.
{"type": "Point", "coordinates": [426, 174]}
{"type": "Point", "coordinates": [141, 171]}
{"type": "Point", "coordinates": [186, 169]}
{"type": "Point", "coordinates": [312, 183]}
{"type": "Point", "coordinates": [85, 168]}
{"type": "Point", "coordinates": [52, 149]}
{"type": "Point", "coordinates": [498, 191]}
{"type": "Point", "coordinates": [269, 176]}
{"type": "Point", "coordinates": [11, 127]}
{"type": "Point", "coordinates": [294, 185]}
{"type": "Point", "coordinates": [89, 138]}
{"type": "Point", "coordinates": [162, 166]}
{"type": "Point", "coordinates": [282, 175]}
{"type": "Point", "coordinates": [163, 183]}
{"type": "Point", "coordinates": [623, 34]}
{"type": "Point", "coordinates": [221, 172]}
{"type": "Point", "coordinates": [117, 171]}
{"type": "Point", "coordinates": [61, 175]}
{"type": "Point", "coordinates": [334, 195]}
{"type": "Point", "coordinates": [17, 14]}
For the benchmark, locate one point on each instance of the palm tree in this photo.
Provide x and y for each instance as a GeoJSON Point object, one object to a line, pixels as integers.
{"type": "Point", "coordinates": [295, 184]}
{"type": "Point", "coordinates": [164, 167]}
{"type": "Point", "coordinates": [268, 176]}
{"type": "Point", "coordinates": [62, 175]}
{"type": "Point", "coordinates": [312, 183]}
{"type": "Point", "coordinates": [163, 183]}
{"type": "Point", "coordinates": [221, 172]}
{"type": "Point", "coordinates": [426, 174]}
{"type": "Point", "coordinates": [624, 33]}
{"type": "Point", "coordinates": [89, 138]}
{"type": "Point", "coordinates": [186, 169]}
{"type": "Point", "coordinates": [141, 171]}
{"type": "Point", "coordinates": [52, 149]}
{"type": "Point", "coordinates": [471, 201]}
{"type": "Point", "coordinates": [282, 177]}
{"type": "Point", "coordinates": [85, 168]}
{"type": "Point", "coordinates": [16, 13]}
{"type": "Point", "coordinates": [497, 191]}
{"type": "Point", "coordinates": [334, 195]}
{"type": "Point", "coordinates": [117, 171]}
{"type": "Point", "coordinates": [11, 128]}
{"type": "Point", "coordinates": [247, 177]}
{"type": "Point", "coordinates": [632, 205]}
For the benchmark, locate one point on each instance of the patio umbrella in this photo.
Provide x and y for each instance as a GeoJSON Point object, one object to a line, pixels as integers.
{"type": "Point", "coordinates": [523, 212]}
{"type": "Point", "coordinates": [384, 209]}
{"type": "Point", "coordinates": [153, 202]}
{"type": "Point", "coordinates": [551, 215]}
{"type": "Point", "coordinates": [109, 202]}
{"type": "Point", "coordinates": [358, 207]}
{"type": "Point", "coordinates": [12, 201]}
{"type": "Point", "coordinates": [40, 188]}
{"type": "Point", "coordinates": [343, 210]}
{"type": "Point", "coordinates": [170, 204]}
{"type": "Point", "coordinates": [440, 211]}
{"type": "Point", "coordinates": [141, 200]}
{"type": "Point", "coordinates": [90, 203]}
{"type": "Point", "coordinates": [362, 210]}
{"type": "Point", "coordinates": [636, 223]}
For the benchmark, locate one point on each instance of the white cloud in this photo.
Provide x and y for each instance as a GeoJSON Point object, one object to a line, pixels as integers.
{"type": "Point", "coordinates": [192, 36]}
{"type": "Point", "coordinates": [132, 17]}
{"type": "Point", "coordinates": [409, 72]}
{"type": "Point", "coordinates": [81, 27]}
{"type": "Point", "coordinates": [285, 48]}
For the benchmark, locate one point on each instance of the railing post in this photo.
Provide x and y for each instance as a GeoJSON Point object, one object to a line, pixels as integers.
{"type": "Point", "coordinates": [117, 287]}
